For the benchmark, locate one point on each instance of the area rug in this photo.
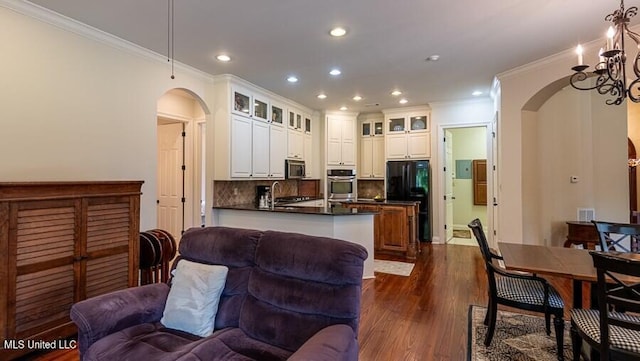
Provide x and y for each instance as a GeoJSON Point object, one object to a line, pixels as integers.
{"type": "Point", "coordinates": [517, 337]}
{"type": "Point", "coordinates": [462, 233]}
{"type": "Point", "coordinates": [392, 267]}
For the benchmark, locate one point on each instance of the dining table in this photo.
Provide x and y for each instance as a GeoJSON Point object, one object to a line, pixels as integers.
{"type": "Point", "coordinates": [575, 264]}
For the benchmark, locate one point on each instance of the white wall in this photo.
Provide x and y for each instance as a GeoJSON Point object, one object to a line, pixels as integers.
{"type": "Point", "coordinates": [74, 108]}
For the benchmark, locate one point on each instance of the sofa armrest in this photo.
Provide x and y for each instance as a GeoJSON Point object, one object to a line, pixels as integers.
{"type": "Point", "coordinates": [105, 314]}
{"type": "Point", "coordinates": [333, 343]}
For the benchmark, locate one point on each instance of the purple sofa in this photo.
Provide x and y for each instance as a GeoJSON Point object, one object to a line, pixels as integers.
{"type": "Point", "coordinates": [287, 296]}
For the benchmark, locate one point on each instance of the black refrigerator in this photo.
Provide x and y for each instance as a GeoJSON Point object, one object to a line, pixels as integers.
{"type": "Point", "coordinates": [410, 181]}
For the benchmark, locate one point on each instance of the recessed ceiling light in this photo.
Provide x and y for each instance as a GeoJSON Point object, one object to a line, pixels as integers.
{"type": "Point", "coordinates": [335, 71]}
{"type": "Point", "coordinates": [343, 108]}
{"type": "Point", "coordinates": [476, 93]}
{"type": "Point", "coordinates": [223, 57]}
{"type": "Point", "coordinates": [357, 98]}
{"type": "Point", "coordinates": [395, 93]}
{"type": "Point", "coordinates": [403, 101]}
{"type": "Point", "coordinates": [292, 79]}
{"type": "Point", "coordinates": [322, 96]}
{"type": "Point", "coordinates": [338, 32]}
{"type": "Point", "coordinates": [433, 58]}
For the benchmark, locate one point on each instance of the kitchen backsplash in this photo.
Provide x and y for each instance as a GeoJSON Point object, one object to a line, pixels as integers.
{"type": "Point", "coordinates": [370, 188]}
{"type": "Point", "coordinates": [226, 193]}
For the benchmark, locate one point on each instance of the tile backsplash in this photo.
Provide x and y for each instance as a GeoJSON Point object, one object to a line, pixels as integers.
{"type": "Point", "coordinates": [370, 188]}
{"type": "Point", "coordinates": [226, 193]}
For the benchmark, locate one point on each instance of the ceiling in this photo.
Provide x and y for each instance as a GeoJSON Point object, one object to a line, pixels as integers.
{"type": "Point", "coordinates": [385, 47]}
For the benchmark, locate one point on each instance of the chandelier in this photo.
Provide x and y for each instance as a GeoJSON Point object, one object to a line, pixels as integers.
{"type": "Point", "coordinates": [610, 69]}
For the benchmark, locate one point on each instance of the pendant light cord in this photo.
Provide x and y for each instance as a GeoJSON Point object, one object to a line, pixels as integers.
{"type": "Point", "coordinates": [170, 36]}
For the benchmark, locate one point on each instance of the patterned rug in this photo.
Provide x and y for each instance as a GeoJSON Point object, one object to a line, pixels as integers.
{"type": "Point", "coordinates": [517, 337]}
{"type": "Point", "coordinates": [392, 267]}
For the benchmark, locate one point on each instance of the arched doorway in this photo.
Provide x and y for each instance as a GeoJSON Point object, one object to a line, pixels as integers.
{"type": "Point", "coordinates": [181, 116]}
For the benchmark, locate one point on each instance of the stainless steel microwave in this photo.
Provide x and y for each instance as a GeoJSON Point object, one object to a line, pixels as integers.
{"type": "Point", "coordinates": [294, 169]}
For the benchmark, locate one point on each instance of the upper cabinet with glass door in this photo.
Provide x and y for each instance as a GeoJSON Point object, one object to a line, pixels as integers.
{"type": "Point", "coordinates": [250, 104]}
{"type": "Point", "coordinates": [414, 123]}
{"type": "Point", "coordinates": [370, 128]}
{"type": "Point", "coordinates": [241, 101]}
{"type": "Point", "coordinates": [278, 113]}
{"type": "Point", "coordinates": [260, 108]}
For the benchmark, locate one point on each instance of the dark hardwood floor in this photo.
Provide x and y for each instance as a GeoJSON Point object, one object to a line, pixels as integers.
{"type": "Point", "coordinates": [420, 317]}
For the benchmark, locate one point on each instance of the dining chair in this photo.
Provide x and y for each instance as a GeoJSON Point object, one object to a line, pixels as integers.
{"type": "Point", "coordinates": [621, 237]}
{"type": "Point", "coordinates": [621, 330]}
{"type": "Point", "coordinates": [518, 290]}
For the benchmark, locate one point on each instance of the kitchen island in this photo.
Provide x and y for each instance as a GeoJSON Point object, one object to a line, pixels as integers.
{"type": "Point", "coordinates": [395, 226]}
{"type": "Point", "coordinates": [351, 225]}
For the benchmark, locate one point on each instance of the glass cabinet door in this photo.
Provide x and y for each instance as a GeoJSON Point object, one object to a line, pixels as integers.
{"type": "Point", "coordinates": [298, 121]}
{"type": "Point", "coordinates": [396, 125]}
{"type": "Point", "coordinates": [366, 129]}
{"type": "Point", "coordinates": [377, 128]}
{"type": "Point", "coordinates": [276, 114]}
{"type": "Point", "coordinates": [292, 120]}
{"type": "Point", "coordinates": [307, 125]}
{"type": "Point", "coordinates": [418, 123]}
{"type": "Point", "coordinates": [241, 103]}
{"type": "Point", "coordinates": [260, 109]}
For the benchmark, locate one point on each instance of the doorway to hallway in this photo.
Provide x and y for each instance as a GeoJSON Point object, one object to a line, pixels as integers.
{"type": "Point", "coordinates": [465, 181]}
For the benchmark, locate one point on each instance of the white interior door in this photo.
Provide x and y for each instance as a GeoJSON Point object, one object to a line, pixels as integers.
{"type": "Point", "coordinates": [448, 184]}
{"type": "Point", "coordinates": [170, 158]}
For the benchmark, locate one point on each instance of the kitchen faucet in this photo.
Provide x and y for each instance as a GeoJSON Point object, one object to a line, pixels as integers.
{"type": "Point", "coordinates": [273, 193]}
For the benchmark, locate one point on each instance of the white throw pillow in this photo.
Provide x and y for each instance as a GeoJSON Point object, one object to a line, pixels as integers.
{"type": "Point", "coordinates": [193, 299]}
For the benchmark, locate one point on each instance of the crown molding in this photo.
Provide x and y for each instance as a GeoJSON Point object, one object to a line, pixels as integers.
{"type": "Point", "coordinates": [60, 21]}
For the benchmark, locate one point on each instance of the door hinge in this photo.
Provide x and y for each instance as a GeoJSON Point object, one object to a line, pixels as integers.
{"type": "Point", "coordinates": [445, 226]}
{"type": "Point", "coordinates": [495, 233]}
{"type": "Point", "coordinates": [444, 139]}
{"type": "Point", "coordinates": [184, 167]}
{"type": "Point", "coordinates": [183, 200]}
{"type": "Point", "coordinates": [493, 134]}
{"type": "Point", "coordinates": [445, 198]}
{"type": "Point", "coordinates": [444, 168]}
{"type": "Point", "coordinates": [494, 167]}
{"type": "Point", "coordinates": [184, 134]}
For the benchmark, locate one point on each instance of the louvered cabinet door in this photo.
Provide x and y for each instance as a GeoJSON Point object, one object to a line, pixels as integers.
{"type": "Point", "coordinates": [107, 258]}
{"type": "Point", "coordinates": [43, 251]}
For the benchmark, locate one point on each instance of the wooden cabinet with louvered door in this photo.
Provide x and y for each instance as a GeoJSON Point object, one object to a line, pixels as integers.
{"type": "Point", "coordinates": [62, 242]}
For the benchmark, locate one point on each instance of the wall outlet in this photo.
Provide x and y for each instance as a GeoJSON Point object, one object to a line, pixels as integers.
{"type": "Point", "coordinates": [235, 191]}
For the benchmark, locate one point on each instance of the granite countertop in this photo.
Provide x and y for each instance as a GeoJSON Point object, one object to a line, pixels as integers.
{"type": "Point", "coordinates": [371, 201]}
{"type": "Point", "coordinates": [328, 211]}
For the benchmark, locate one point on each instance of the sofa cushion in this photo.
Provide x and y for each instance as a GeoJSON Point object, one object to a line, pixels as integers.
{"type": "Point", "coordinates": [231, 247]}
{"type": "Point", "coordinates": [154, 342]}
{"type": "Point", "coordinates": [294, 294]}
{"type": "Point", "coordinates": [193, 300]}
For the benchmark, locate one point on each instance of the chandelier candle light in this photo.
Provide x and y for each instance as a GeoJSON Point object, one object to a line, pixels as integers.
{"type": "Point", "coordinates": [610, 70]}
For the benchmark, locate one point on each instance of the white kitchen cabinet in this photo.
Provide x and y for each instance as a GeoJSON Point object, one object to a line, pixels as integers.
{"type": "Point", "coordinates": [295, 144]}
{"type": "Point", "coordinates": [241, 151]}
{"type": "Point", "coordinates": [308, 155]}
{"type": "Point", "coordinates": [408, 135]}
{"type": "Point", "coordinates": [251, 137]}
{"type": "Point", "coordinates": [341, 145]}
{"type": "Point", "coordinates": [261, 157]}
{"type": "Point", "coordinates": [371, 158]}
{"type": "Point", "coordinates": [295, 141]}
{"type": "Point", "coordinates": [277, 151]}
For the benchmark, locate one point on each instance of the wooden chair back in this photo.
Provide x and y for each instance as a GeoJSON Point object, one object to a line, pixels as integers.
{"type": "Point", "coordinates": [621, 237]}
{"type": "Point", "coordinates": [618, 294]}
